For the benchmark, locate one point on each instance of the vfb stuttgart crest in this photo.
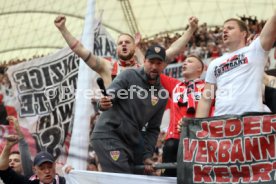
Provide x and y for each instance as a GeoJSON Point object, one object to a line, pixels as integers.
{"type": "Point", "coordinates": [154, 100]}
{"type": "Point", "coordinates": [157, 49]}
{"type": "Point", "coordinates": [115, 155]}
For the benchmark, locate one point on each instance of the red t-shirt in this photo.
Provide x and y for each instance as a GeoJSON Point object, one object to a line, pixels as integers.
{"type": "Point", "coordinates": [175, 88]}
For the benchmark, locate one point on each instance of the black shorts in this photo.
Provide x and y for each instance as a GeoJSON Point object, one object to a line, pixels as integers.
{"type": "Point", "coordinates": [270, 98]}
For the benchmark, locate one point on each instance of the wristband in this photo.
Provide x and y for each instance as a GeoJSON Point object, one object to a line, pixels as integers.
{"type": "Point", "coordinates": [88, 57]}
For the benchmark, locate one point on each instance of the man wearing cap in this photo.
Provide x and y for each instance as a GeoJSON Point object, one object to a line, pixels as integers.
{"type": "Point", "coordinates": [136, 100]}
{"type": "Point", "coordinates": [44, 167]}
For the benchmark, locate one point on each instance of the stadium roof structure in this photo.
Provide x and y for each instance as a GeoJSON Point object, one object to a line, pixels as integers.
{"type": "Point", "coordinates": [27, 27]}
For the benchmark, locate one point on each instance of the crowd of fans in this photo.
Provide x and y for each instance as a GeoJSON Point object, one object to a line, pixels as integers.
{"type": "Point", "coordinates": [206, 43]}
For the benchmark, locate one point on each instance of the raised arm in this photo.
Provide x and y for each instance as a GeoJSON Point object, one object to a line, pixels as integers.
{"type": "Point", "coordinates": [181, 42]}
{"type": "Point", "coordinates": [204, 104]}
{"type": "Point", "coordinates": [268, 33]}
{"type": "Point", "coordinates": [139, 55]}
{"type": "Point", "coordinates": [102, 66]}
{"type": "Point", "coordinates": [24, 150]}
{"type": "Point", "coordinates": [11, 140]}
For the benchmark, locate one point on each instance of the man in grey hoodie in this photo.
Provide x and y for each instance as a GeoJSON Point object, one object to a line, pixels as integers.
{"type": "Point", "coordinates": [136, 100]}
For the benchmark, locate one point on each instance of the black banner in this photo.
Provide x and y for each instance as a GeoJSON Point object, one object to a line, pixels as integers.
{"type": "Point", "coordinates": [228, 149]}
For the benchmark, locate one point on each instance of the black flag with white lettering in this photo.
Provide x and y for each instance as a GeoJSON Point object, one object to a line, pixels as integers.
{"type": "Point", "coordinates": [228, 149]}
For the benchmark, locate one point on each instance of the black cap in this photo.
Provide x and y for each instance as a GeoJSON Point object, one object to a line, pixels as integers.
{"type": "Point", "coordinates": [42, 157]}
{"type": "Point", "coordinates": [156, 52]}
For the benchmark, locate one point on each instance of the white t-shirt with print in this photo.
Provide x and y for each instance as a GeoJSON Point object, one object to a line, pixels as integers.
{"type": "Point", "coordinates": [238, 77]}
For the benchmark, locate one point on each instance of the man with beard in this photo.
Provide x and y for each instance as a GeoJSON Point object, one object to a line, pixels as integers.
{"type": "Point", "coordinates": [126, 57]}
{"type": "Point", "coordinates": [136, 98]}
{"type": "Point", "coordinates": [125, 50]}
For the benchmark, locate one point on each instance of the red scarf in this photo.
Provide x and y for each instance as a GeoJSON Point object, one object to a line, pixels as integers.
{"type": "Point", "coordinates": [191, 90]}
{"type": "Point", "coordinates": [127, 63]}
{"type": "Point", "coordinates": [117, 66]}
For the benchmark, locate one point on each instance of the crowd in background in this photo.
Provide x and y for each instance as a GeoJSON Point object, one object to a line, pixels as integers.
{"type": "Point", "coordinates": [206, 43]}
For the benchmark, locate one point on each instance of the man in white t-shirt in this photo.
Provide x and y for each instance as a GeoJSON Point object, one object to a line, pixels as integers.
{"type": "Point", "coordinates": [235, 78]}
